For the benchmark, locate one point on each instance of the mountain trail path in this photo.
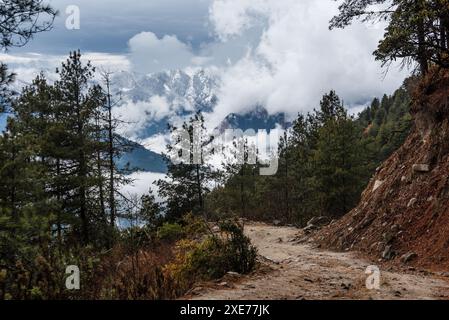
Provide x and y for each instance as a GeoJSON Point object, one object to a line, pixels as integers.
{"type": "Point", "coordinates": [290, 270]}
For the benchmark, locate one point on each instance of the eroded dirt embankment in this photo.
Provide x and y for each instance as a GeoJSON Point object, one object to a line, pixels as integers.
{"type": "Point", "coordinates": [292, 270]}
{"type": "Point", "coordinates": [403, 215]}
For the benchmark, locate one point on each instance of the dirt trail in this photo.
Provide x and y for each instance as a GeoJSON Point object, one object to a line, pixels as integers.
{"type": "Point", "coordinates": [298, 271]}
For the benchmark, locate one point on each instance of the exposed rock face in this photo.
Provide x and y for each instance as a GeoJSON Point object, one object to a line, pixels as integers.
{"type": "Point", "coordinates": [377, 184]}
{"type": "Point", "coordinates": [315, 224]}
{"type": "Point", "coordinates": [413, 195]}
{"type": "Point", "coordinates": [421, 168]}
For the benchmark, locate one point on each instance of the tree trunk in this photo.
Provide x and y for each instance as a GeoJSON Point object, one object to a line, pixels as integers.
{"type": "Point", "coordinates": [242, 191]}
{"type": "Point", "coordinates": [100, 187]}
{"type": "Point", "coordinates": [58, 198]}
{"type": "Point", "coordinates": [82, 169]}
{"type": "Point", "coordinates": [111, 150]}
{"type": "Point", "coordinates": [82, 198]}
{"type": "Point", "coordinates": [200, 190]}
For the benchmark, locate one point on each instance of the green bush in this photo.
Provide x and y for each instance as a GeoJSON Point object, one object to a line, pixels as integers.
{"type": "Point", "coordinates": [213, 257]}
{"type": "Point", "coordinates": [170, 232]}
{"type": "Point", "coordinates": [137, 237]}
{"type": "Point", "coordinates": [240, 253]}
{"type": "Point", "coordinates": [194, 226]}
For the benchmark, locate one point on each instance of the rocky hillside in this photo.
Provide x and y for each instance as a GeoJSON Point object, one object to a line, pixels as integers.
{"type": "Point", "coordinates": [256, 119]}
{"type": "Point", "coordinates": [403, 215]}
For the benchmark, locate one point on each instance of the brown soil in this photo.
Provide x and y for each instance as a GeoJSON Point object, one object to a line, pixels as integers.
{"type": "Point", "coordinates": [292, 270]}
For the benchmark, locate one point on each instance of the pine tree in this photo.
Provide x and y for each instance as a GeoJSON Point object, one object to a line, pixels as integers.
{"type": "Point", "coordinates": [112, 150]}
{"type": "Point", "coordinates": [417, 30]}
{"type": "Point", "coordinates": [6, 79]}
{"type": "Point", "coordinates": [323, 167]}
{"type": "Point", "coordinates": [188, 182]}
{"type": "Point", "coordinates": [79, 103]}
{"type": "Point", "coordinates": [337, 158]}
{"type": "Point", "coordinates": [20, 20]}
{"type": "Point", "coordinates": [34, 126]}
{"type": "Point", "coordinates": [113, 146]}
{"type": "Point", "coordinates": [240, 173]}
{"type": "Point", "coordinates": [150, 211]}
{"type": "Point", "coordinates": [303, 142]}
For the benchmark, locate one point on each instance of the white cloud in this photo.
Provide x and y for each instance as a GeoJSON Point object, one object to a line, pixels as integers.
{"type": "Point", "coordinates": [137, 115]}
{"type": "Point", "coordinates": [157, 143]}
{"type": "Point", "coordinates": [142, 183]}
{"type": "Point", "coordinates": [28, 66]}
{"type": "Point", "coordinates": [107, 61]}
{"type": "Point", "coordinates": [160, 107]}
{"type": "Point", "coordinates": [151, 54]}
{"type": "Point", "coordinates": [231, 18]}
{"type": "Point", "coordinates": [279, 54]}
{"type": "Point", "coordinates": [296, 59]}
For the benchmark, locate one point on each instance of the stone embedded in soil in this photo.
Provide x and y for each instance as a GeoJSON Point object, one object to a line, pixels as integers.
{"type": "Point", "coordinates": [196, 291]}
{"type": "Point", "coordinates": [346, 286]}
{"type": "Point", "coordinates": [412, 202]}
{"type": "Point", "coordinates": [310, 228]}
{"type": "Point", "coordinates": [377, 184]}
{"type": "Point", "coordinates": [421, 168]}
{"type": "Point", "coordinates": [406, 258]}
{"type": "Point", "coordinates": [388, 236]}
{"type": "Point", "coordinates": [318, 221]}
{"type": "Point", "coordinates": [395, 228]}
{"type": "Point", "coordinates": [388, 253]}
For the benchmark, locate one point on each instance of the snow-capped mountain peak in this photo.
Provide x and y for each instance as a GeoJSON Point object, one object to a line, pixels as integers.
{"type": "Point", "coordinates": [196, 90]}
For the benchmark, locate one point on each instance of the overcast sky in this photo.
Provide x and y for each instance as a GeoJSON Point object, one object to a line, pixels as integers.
{"type": "Point", "coordinates": [278, 53]}
{"type": "Point", "coordinates": [107, 25]}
